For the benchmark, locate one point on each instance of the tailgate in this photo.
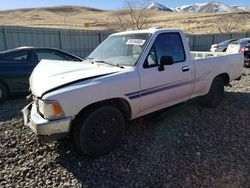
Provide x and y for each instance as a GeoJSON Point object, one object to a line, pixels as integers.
{"type": "Point", "coordinates": [233, 48]}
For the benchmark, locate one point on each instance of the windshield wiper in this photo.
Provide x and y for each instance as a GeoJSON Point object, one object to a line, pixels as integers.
{"type": "Point", "coordinates": [101, 61]}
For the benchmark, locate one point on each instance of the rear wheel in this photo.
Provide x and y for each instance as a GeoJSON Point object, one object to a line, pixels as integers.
{"type": "Point", "coordinates": [3, 93]}
{"type": "Point", "coordinates": [215, 94]}
{"type": "Point", "coordinates": [99, 131]}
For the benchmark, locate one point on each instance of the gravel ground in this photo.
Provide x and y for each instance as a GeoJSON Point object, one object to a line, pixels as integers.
{"type": "Point", "coordinates": [183, 146]}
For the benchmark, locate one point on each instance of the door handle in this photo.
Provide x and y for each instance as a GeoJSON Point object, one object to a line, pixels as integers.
{"type": "Point", "coordinates": [185, 68]}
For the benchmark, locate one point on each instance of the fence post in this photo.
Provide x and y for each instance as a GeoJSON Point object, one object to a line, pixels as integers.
{"type": "Point", "coordinates": [6, 45]}
{"type": "Point", "coordinates": [231, 35]}
{"type": "Point", "coordinates": [60, 40]}
{"type": "Point", "coordinates": [193, 42]}
{"type": "Point", "coordinates": [100, 38]}
{"type": "Point", "coordinates": [213, 39]}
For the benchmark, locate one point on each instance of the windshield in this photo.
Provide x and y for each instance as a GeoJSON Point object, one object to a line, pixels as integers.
{"type": "Point", "coordinates": [227, 41]}
{"type": "Point", "coordinates": [120, 49]}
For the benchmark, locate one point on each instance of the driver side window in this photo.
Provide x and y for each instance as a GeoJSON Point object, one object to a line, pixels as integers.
{"type": "Point", "coordinates": [166, 44]}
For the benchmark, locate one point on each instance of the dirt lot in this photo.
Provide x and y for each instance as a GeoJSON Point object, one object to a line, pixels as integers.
{"type": "Point", "coordinates": [183, 146]}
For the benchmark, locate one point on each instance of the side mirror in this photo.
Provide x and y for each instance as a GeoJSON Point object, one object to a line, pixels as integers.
{"type": "Point", "coordinates": [165, 60]}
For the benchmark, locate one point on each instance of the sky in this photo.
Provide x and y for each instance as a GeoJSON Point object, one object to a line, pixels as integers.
{"type": "Point", "coordinates": [101, 4]}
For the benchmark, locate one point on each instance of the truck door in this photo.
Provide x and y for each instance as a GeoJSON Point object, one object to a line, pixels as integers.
{"type": "Point", "coordinates": [173, 83]}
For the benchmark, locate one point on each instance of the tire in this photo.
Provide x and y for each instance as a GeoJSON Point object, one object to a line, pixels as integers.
{"type": "Point", "coordinates": [3, 93]}
{"type": "Point", "coordinates": [215, 94]}
{"type": "Point", "coordinates": [98, 132]}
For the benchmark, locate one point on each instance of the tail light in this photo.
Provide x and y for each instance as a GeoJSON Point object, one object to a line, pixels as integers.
{"type": "Point", "coordinates": [215, 46]}
{"type": "Point", "coordinates": [242, 50]}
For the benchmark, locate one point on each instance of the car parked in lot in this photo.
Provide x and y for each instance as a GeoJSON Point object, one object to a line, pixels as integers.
{"type": "Point", "coordinates": [242, 46]}
{"type": "Point", "coordinates": [16, 66]}
{"type": "Point", "coordinates": [222, 46]}
{"type": "Point", "coordinates": [247, 55]}
{"type": "Point", "coordinates": [128, 75]}
{"type": "Point", "coordinates": [247, 51]}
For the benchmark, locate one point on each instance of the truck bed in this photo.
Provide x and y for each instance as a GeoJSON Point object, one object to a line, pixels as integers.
{"type": "Point", "coordinates": [210, 64]}
{"type": "Point", "coordinates": [205, 55]}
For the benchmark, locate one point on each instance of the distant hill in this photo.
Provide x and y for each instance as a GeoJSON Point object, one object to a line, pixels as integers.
{"type": "Point", "coordinates": [87, 18]}
{"type": "Point", "coordinates": [57, 9]}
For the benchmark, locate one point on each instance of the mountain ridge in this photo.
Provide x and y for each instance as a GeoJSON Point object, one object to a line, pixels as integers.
{"type": "Point", "coordinates": [210, 7]}
{"type": "Point", "coordinates": [158, 6]}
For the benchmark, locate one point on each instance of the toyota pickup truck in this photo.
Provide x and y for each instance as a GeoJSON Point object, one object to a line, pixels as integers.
{"type": "Point", "coordinates": [128, 75]}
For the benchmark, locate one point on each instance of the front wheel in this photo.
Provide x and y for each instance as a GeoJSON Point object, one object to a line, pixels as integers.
{"type": "Point", "coordinates": [98, 132]}
{"type": "Point", "coordinates": [215, 94]}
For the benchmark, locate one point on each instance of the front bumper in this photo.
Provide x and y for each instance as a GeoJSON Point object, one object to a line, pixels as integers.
{"type": "Point", "coordinates": [47, 130]}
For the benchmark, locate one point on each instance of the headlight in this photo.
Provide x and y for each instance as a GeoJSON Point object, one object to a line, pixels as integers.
{"type": "Point", "coordinates": [50, 109]}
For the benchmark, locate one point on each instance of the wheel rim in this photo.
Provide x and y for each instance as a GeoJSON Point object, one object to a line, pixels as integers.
{"type": "Point", "coordinates": [104, 130]}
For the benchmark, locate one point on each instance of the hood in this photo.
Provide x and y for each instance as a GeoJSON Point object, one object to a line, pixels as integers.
{"type": "Point", "coordinates": [50, 74]}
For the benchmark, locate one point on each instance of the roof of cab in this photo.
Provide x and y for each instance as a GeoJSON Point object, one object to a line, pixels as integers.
{"type": "Point", "coordinates": [151, 30]}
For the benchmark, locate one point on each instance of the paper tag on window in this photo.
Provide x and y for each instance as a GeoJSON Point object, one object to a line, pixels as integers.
{"type": "Point", "coordinates": [138, 42]}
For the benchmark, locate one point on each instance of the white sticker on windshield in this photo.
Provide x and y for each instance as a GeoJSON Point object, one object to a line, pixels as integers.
{"type": "Point", "coordinates": [138, 42]}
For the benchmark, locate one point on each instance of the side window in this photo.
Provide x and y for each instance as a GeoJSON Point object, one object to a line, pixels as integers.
{"type": "Point", "coordinates": [48, 55]}
{"type": "Point", "coordinates": [18, 56]}
{"type": "Point", "coordinates": [167, 44]}
{"type": "Point", "coordinates": [170, 44]}
{"type": "Point", "coordinates": [67, 56]}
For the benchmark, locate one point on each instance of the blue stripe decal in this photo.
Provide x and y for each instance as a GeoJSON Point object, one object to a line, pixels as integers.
{"type": "Point", "coordinates": [156, 89]}
{"type": "Point", "coordinates": [135, 96]}
{"type": "Point", "coordinates": [133, 93]}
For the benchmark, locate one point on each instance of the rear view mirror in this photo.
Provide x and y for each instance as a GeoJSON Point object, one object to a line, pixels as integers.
{"type": "Point", "coordinates": [165, 60]}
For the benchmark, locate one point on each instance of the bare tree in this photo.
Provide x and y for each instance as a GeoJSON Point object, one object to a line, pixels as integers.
{"type": "Point", "coordinates": [227, 23]}
{"type": "Point", "coordinates": [122, 20]}
{"type": "Point", "coordinates": [135, 15]}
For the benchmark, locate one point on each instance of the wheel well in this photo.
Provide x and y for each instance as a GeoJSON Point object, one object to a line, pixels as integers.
{"type": "Point", "coordinates": [118, 103]}
{"type": "Point", "coordinates": [225, 77]}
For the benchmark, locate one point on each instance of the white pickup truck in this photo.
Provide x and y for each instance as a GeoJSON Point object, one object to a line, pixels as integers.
{"type": "Point", "coordinates": [128, 75]}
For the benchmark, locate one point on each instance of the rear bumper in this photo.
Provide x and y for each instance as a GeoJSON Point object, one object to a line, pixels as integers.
{"type": "Point", "coordinates": [47, 130]}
